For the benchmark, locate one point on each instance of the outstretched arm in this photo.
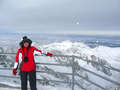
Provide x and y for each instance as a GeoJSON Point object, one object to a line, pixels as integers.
{"type": "Point", "coordinates": [45, 53]}
{"type": "Point", "coordinates": [34, 48]}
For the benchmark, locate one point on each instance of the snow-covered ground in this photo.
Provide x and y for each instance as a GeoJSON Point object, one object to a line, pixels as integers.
{"type": "Point", "coordinates": [102, 54]}
{"type": "Point", "coordinates": [41, 88]}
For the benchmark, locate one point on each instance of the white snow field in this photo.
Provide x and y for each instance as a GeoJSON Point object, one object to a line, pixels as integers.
{"type": "Point", "coordinates": [106, 55]}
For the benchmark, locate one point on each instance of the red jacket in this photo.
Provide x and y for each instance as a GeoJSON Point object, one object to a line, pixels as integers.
{"type": "Point", "coordinates": [30, 65]}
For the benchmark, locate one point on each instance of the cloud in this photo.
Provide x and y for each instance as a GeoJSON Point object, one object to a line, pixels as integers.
{"type": "Point", "coordinates": [40, 16]}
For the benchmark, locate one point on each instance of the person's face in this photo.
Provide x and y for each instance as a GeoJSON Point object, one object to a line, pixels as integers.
{"type": "Point", "coordinates": [26, 44]}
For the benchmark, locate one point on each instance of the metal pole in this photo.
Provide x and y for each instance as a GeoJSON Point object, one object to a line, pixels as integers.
{"type": "Point", "coordinates": [73, 72]}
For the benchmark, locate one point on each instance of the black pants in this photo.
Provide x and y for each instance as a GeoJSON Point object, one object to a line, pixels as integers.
{"type": "Point", "coordinates": [32, 79]}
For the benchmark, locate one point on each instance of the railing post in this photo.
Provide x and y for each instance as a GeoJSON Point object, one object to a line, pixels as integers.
{"type": "Point", "coordinates": [73, 72]}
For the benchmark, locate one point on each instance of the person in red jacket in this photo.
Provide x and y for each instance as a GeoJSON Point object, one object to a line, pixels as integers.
{"type": "Point", "coordinates": [27, 65]}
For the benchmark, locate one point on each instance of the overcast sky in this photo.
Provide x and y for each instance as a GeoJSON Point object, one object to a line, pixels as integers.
{"type": "Point", "coordinates": [60, 16]}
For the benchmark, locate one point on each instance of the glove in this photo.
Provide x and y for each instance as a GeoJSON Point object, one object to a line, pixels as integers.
{"type": "Point", "coordinates": [14, 72]}
{"type": "Point", "coordinates": [49, 54]}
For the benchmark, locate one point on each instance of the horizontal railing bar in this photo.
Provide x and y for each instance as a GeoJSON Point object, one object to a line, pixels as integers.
{"type": "Point", "coordinates": [54, 64]}
{"type": "Point", "coordinates": [7, 53]}
{"type": "Point", "coordinates": [41, 64]}
{"type": "Point", "coordinates": [37, 79]}
{"type": "Point", "coordinates": [41, 55]}
{"type": "Point", "coordinates": [38, 71]}
{"type": "Point", "coordinates": [55, 72]}
{"type": "Point", "coordinates": [53, 81]}
{"type": "Point", "coordinates": [112, 68]}
{"type": "Point", "coordinates": [5, 76]}
{"type": "Point", "coordinates": [6, 69]}
{"type": "Point", "coordinates": [105, 78]}
{"type": "Point", "coordinates": [91, 82]}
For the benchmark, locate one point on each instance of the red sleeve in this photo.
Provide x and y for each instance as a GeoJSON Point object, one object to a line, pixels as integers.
{"type": "Point", "coordinates": [17, 55]}
{"type": "Point", "coordinates": [36, 49]}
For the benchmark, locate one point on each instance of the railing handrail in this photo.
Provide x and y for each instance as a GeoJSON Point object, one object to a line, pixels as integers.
{"type": "Point", "coordinates": [79, 57]}
{"type": "Point", "coordinates": [73, 56]}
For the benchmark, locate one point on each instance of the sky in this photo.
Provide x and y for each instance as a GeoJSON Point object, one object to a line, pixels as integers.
{"type": "Point", "coordinates": [89, 17]}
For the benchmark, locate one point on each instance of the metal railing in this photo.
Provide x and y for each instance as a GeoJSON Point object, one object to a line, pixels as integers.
{"type": "Point", "coordinates": [73, 73]}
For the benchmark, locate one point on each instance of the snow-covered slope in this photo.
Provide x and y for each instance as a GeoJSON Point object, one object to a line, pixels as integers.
{"type": "Point", "coordinates": [103, 55]}
{"type": "Point", "coordinates": [110, 55]}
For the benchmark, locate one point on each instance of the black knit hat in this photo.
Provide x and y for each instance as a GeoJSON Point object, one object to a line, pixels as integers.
{"type": "Point", "coordinates": [25, 39]}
